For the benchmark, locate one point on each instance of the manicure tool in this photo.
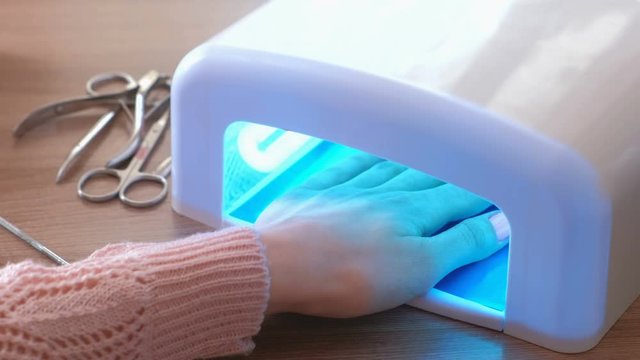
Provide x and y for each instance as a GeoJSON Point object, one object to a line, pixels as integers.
{"type": "Point", "coordinates": [134, 93]}
{"type": "Point", "coordinates": [92, 86]}
{"type": "Point", "coordinates": [64, 107]}
{"type": "Point", "coordinates": [146, 85]}
{"type": "Point", "coordinates": [133, 174]}
{"type": "Point", "coordinates": [158, 108]}
{"type": "Point", "coordinates": [32, 242]}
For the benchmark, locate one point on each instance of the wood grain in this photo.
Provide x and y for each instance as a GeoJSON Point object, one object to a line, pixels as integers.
{"type": "Point", "coordinates": [49, 49]}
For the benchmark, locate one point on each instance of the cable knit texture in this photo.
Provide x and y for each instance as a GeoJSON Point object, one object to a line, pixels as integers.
{"type": "Point", "coordinates": [199, 297]}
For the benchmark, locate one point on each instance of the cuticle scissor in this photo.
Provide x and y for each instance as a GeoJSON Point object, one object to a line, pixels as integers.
{"type": "Point", "coordinates": [133, 174]}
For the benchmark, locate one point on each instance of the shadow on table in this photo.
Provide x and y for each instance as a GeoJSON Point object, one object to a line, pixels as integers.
{"type": "Point", "coordinates": [403, 333]}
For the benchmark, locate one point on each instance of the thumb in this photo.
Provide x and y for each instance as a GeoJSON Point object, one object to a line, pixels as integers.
{"type": "Point", "coordinates": [471, 240]}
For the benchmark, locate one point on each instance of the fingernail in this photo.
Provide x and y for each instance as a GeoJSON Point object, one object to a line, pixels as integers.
{"type": "Point", "coordinates": [501, 226]}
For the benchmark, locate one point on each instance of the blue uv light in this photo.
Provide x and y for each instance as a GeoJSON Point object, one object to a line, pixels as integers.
{"type": "Point", "coordinates": [250, 187]}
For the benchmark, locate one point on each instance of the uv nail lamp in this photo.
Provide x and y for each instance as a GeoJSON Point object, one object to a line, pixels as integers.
{"type": "Point", "coordinates": [532, 105]}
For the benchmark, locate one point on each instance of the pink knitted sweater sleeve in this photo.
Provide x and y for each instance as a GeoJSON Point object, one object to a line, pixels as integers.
{"type": "Point", "coordinates": [199, 297]}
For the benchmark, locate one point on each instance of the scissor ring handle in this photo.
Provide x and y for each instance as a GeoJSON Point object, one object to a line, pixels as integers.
{"type": "Point", "coordinates": [109, 77]}
{"type": "Point", "coordinates": [139, 178]}
{"type": "Point", "coordinates": [91, 174]}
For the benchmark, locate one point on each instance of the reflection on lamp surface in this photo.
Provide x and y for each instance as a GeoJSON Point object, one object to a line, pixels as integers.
{"type": "Point", "coordinates": [265, 148]}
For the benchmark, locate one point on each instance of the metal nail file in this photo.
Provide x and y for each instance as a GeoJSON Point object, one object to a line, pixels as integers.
{"type": "Point", "coordinates": [32, 242]}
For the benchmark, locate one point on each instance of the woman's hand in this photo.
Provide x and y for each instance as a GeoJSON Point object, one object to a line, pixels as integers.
{"type": "Point", "coordinates": [367, 236]}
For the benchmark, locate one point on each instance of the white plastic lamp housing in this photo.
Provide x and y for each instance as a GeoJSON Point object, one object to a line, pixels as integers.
{"type": "Point", "coordinates": [533, 105]}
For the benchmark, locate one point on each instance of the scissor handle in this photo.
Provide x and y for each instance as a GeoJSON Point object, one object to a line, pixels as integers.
{"type": "Point", "coordinates": [120, 175]}
{"type": "Point", "coordinates": [97, 81]}
{"type": "Point", "coordinates": [141, 177]}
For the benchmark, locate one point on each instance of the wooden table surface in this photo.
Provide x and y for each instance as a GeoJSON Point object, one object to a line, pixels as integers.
{"type": "Point", "coordinates": [49, 49]}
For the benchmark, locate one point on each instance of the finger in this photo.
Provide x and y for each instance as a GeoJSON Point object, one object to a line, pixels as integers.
{"type": "Point", "coordinates": [341, 172]}
{"type": "Point", "coordinates": [426, 212]}
{"type": "Point", "coordinates": [450, 203]}
{"type": "Point", "coordinates": [377, 175]}
{"type": "Point", "coordinates": [471, 240]}
{"type": "Point", "coordinates": [411, 180]}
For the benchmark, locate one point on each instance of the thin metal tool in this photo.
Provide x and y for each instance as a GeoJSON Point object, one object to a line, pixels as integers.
{"type": "Point", "coordinates": [48, 112]}
{"type": "Point", "coordinates": [133, 174]}
{"type": "Point", "coordinates": [32, 242]}
{"type": "Point", "coordinates": [133, 93]}
{"type": "Point", "coordinates": [92, 88]}
{"type": "Point", "coordinates": [160, 107]}
{"type": "Point", "coordinates": [164, 168]}
{"type": "Point", "coordinates": [107, 78]}
{"type": "Point", "coordinates": [156, 111]}
{"type": "Point", "coordinates": [77, 150]}
{"type": "Point", "coordinates": [150, 81]}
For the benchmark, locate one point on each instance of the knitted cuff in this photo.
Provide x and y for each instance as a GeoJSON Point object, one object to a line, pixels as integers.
{"type": "Point", "coordinates": [209, 293]}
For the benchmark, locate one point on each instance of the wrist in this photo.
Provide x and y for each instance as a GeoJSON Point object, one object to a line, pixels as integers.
{"type": "Point", "coordinates": [280, 258]}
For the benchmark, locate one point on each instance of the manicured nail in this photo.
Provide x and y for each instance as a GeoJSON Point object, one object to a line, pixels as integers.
{"type": "Point", "coordinates": [501, 226]}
